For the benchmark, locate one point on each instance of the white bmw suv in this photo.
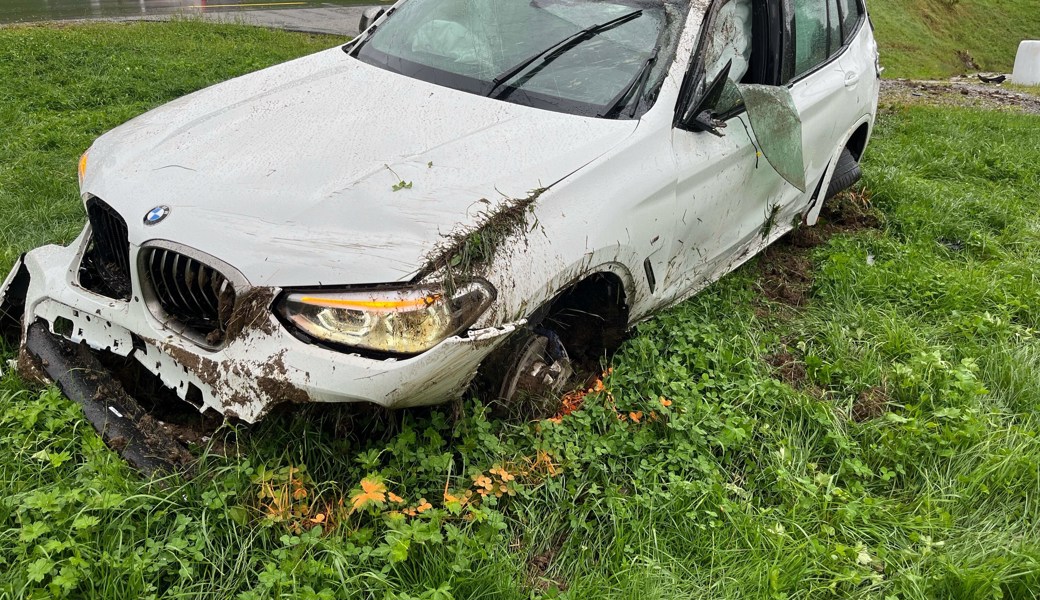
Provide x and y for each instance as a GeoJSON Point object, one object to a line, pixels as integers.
{"type": "Point", "coordinates": [492, 187]}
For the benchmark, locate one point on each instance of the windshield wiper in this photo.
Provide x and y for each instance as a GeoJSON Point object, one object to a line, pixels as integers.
{"type": "Point", "coordinates": [637, 85]}
{"type": "Point", "coordinates": [556, 50]}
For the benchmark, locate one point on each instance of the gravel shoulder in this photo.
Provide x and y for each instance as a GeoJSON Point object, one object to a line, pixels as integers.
{"type": "Point", "coordinates": [960, 92]}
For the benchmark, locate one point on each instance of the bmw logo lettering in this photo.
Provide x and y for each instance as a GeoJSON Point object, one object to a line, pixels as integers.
{"type": "Point", "coordinates": [156, 215]}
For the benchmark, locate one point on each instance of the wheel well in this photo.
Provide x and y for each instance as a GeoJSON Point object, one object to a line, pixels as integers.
{"type": "Point", "coordinates": [590, 316]}
{"type": "Point", "coordinates": [858, 142]}
{"type": "Point", "coordinates": [12, 307]}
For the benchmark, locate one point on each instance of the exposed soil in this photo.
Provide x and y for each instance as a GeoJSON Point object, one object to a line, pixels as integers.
{"type": "Point", "coordinates": [964, 92]}
{"type": "Point", "coordinates": [31, 369]}
{"type": "Point", "coordinates": [786, 269]}
{"type": "Point", "coordinates": [870, 404]}
{"type": "Point", "coordinates": [786, 276]}
{"type": "Point", "coordinates": [540, 564]}
{"type": "Point", "coordinates": [788, 368]}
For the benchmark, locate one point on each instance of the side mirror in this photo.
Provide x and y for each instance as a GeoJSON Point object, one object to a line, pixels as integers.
{"type": "Point", "coordinates": [700, 118]}
{"type": "Point", "coordinates": [369, 16]}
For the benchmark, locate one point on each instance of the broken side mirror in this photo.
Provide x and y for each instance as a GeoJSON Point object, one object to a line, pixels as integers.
{"type": "Point", "coordinates": [369, 16]}
{"type": "Point", "coordinates": [778, 129]}
{"type": "Point", "coordinates": [701, 117]}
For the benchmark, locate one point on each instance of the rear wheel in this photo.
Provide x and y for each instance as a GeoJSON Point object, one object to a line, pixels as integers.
{"type": "Point", "coordinates": [845, 175]}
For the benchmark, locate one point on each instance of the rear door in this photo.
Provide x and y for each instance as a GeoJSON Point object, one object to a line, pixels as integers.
{"type": "Point", "coordinates": [821, 85]}
{"type": "Point", "coordinates": [858, 57]}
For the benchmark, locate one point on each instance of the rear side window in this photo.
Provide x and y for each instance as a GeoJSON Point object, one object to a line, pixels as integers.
{"type": "Point", "coordinates": [811, 35]}
{"type": "Point", "coordinates": [850, 14]}
{"type": "Point", "coordinates": [821, 30]}
{"type": "Point", "coordinates": [834, 26]}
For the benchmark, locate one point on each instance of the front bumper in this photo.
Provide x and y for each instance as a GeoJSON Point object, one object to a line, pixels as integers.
{"type": "Point", "coordinates": [263, 366]}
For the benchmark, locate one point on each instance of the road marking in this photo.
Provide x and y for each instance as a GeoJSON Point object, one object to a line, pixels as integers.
{"type": "Point", "coordinates": [244, 5]}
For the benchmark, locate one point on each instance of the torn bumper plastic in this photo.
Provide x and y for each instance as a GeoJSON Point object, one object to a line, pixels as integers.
{"type": "Point", "coordinates": [118, 418]}
{"type": "Point", "coordinates": [261, 367]}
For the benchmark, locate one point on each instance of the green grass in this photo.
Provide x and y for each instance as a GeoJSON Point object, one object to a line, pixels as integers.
{"type": "Point", "coordinates": [922, 38]}
{"type": "Point", "coordinates": [745, 485]}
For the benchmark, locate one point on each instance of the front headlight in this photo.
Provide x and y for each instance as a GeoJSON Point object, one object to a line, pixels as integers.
{"type": "Point", "coordinates": [407, 321]}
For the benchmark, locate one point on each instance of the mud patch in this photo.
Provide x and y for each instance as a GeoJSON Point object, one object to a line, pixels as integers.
{"type": "Point", "coordinates": [159, 443]}
{"type": "Point", "coordinates": [467, 251]}
{"type": "Point", "coordinates": [871, 403]}
{"type": "Point", "coordinates": [32, 369]}
{"type": "Point", "coordinates": [207, 370]}
{"type": "Point", "coordinates": [787, 368]}
{"type": "Point", "coordinates": [539, 566]}
{"type": "Point", "coordinates": [252, 311]}
{"type": "Point", "coordinates": [786, 268]}
{"type": "Point", "coordinates": [169, 417]}
{"type": "Point", "coordinates": [273, 385]}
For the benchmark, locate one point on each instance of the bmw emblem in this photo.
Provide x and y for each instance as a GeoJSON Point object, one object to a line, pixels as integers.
{"type": "Point", "coordinates": [156, 215]}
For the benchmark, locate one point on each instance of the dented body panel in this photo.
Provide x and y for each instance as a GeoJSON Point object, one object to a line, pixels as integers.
{"type": "Point", "coordinates": [327, 173]}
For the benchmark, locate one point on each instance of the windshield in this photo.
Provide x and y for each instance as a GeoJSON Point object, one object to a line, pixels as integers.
{"type": "Point", "coordinates": [470, 45]}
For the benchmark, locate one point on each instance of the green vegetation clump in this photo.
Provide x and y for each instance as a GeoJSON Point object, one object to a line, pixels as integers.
{"type": "Point", "coordinates": [922, 39]}
{"type": "Point", "coordinates": [880, 439]}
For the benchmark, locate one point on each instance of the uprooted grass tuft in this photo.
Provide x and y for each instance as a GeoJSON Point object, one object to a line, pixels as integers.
{"type": "Point", "coordinates": [464, 253]}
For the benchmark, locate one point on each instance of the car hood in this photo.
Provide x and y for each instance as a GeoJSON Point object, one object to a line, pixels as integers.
{"type": "Point", "coordinates": [289, 174]}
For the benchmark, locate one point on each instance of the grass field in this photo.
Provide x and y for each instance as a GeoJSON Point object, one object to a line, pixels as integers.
{"type": "Point", "coordinates": [938, 38]}
{"type": "Point", "coordinates": [854, 414]}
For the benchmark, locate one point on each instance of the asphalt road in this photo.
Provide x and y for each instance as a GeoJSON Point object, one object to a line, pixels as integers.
{"type": "Point", "coordinates": [321, 16]}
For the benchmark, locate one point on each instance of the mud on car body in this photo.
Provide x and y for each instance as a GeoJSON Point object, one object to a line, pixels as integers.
{"type": "Point", "coordinates": [493, 187]}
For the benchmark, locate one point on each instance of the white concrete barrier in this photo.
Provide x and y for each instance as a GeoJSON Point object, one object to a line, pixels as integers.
{"type": "Point", "coordinates": [1027, 64]}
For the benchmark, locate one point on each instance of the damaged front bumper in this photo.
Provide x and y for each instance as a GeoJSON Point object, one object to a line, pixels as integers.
{"type": "Point", "coordinates": [261, 366]}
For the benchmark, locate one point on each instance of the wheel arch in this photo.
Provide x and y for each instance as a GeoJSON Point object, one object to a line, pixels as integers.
{"type": "Point", "coordinates": [857, 137]}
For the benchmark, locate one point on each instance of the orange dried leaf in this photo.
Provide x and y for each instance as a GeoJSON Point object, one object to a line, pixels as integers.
{"type": "Point", "coordinates": [373, 492]}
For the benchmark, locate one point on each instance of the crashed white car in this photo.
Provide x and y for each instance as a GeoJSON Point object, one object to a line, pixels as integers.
{"type": "Point", "coordinates": [498, 187]}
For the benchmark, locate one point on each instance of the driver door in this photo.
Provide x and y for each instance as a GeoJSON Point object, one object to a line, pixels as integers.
{"type": "Point", "coordinates": [726, 190]}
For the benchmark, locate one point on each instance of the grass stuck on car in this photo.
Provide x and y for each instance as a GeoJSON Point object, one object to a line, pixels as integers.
{"type": "Point", "coordinates": [470, 193]}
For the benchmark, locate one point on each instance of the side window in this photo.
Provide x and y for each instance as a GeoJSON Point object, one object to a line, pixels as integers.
{"type": "Point", "coordinates": [811, 35]}
{"type": "Point", "coordinates": [834, 27]}
{"type": "Point", "coordinates": [850, 15]}
{"type": "Point", "coordinates": [737, 33]}
{"type": "Point", "coordinates": [730, 39]}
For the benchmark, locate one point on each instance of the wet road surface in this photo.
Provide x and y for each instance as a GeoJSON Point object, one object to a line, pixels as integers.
{"type": "Point", "coordinates": [15, 11]}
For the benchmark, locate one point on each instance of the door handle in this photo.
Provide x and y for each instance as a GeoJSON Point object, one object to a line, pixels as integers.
{"type": "Point", "coordinates": [851, 78]}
